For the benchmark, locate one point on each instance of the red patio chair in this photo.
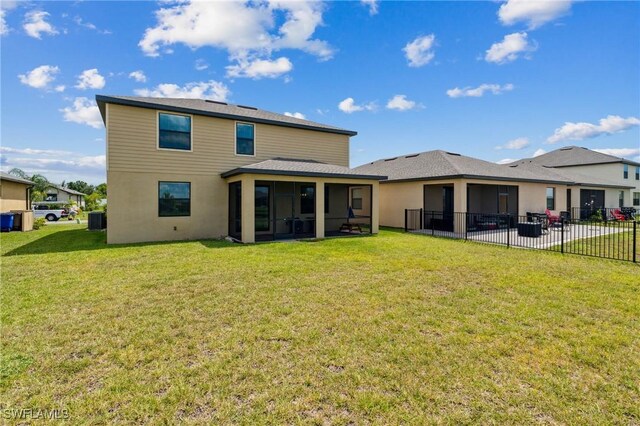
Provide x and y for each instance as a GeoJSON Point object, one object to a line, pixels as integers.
{"type": "Point", "coordinates": [552, 218]}
{"type": "Point", "coordinates": [617, 215]}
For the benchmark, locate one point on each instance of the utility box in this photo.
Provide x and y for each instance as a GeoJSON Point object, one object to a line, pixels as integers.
{"type": "Point", "coordinates": [97, 221]}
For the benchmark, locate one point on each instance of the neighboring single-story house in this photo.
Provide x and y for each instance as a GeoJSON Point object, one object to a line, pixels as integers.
{"type": "Point", "coordinates": [64, 195]}
{"type": "Point", "coordinates": [445, 182]}
{"type": "Point", "coordinates": [599, 167]}
{"type": "Point", "coordinates": [181, 169]}
{"type": "Point", "coordinates": [15, 193]}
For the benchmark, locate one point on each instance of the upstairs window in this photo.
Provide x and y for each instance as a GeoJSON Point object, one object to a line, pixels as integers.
{"type": "Point", "coordinates": [174, 199]}
{"type": "Point", "coordinates": [245, 139]}
{"type": "Point", "coordinates": [551, 198]}
{"type": "Point", "coordinates": [637, 172]}
{"type": "Point", "coordinates": [625, 174]}
{"type": "Point", "coordinates": [174, 131]}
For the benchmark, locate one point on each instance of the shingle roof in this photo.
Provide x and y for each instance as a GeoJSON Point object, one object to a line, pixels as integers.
{"type": "Point", "coordinates": [218, 109]}
{"type": "Point", "coordinates": [574, 156]}
{"type": "Point", "coordinates": [67, 190]}
{"type": "Point", "coordinates": [442, 164]}
{"type": "Point", "coordinates": [7, 176]}
{"type": "Point", "coordinates": [295, 167]}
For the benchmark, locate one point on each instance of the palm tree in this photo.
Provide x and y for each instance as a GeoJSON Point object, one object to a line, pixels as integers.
{"type": "Point", "coordinates": [41, 183]}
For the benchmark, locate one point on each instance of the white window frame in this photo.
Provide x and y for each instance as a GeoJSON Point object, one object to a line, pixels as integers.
{"type": "Point", "coordinates": [235, 138]}
{"type": "Point", "coordinates": [158, 132]}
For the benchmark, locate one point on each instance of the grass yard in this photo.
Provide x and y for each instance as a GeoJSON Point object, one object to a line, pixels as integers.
{"type": "Point", "coordinates": [616, 246]}
{"type": "Point", "coordinates": [391, 329]}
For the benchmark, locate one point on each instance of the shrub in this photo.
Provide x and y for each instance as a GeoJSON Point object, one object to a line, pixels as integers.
{"type": "Point", "coordinates": [39, 223]}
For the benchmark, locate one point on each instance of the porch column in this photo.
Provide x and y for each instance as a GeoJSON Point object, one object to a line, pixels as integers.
{"type": "Point", "coordinates": [248, 210]}
{"type": "Point", "coordinates": [320, 209]}
{"type": "Point", "coordinates": [375, 204]}
{"type": "Point", "coordinates": [459, 206]}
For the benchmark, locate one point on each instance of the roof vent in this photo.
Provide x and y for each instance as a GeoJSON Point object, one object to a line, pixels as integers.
{"type": "Point", "coordinates": [411, 156]}
{"type": "Point", "coordinates": [454, 153]}
{"type": "Point", "coordinates": [390, 159]}
{"type": "Point", "coordinates": [248, 107]}
{"type": "Point", "coordinates": [215, 102]}
{"type": "Point", "coordinates": [566, 148]}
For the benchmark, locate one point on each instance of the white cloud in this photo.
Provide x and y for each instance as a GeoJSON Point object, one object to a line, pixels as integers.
{"type": "Point", "coordinates": [40, 77]}
{"type": "Point", "coordinates": [509, 49]}
{"type": "Point", "coordinates": [349, 105]}
{"type": "Point", "coordinates": [479, 91]}
{"type": "Point", "coordinates": [539, 152]}
{"type": "Point", "coordinates": [534, 12]}
{"type": "Point", "coordinates": [80, 22]}
{"type": "Point", "coordinates": [30, 151]}
{"type": "Point", "coordinates": [295, 115]}
{"type": "Point", "coordinates": [259, 68]}
{"type": "Point", "coordinates": [138, 76]}
{"type": "Point", "coordinates": [620, 152]}
{"type": "Point", "coordinates": [372, 5]}
{"type": "Point", "coordinates": [4, 29]}
{"type": "Point", "coordinates": [248, 31]}
{"type": "Point", "coordinates": [419, 52]}
{"type": "Point", "coordinates": [60, 88]}
{"type": "Point", "coordinates": [83, 111]}
{"type": "Point", "coordinates": [195, 90]}
{"type": "Point", "coordinates": [401, 103]}
{"type": "Point", "coordinates": [201, 65]}
{"type": "Point", "coordinates": [506, 161]}
{"type": "Point", "coordinates": [35, 24]}
{"type": "Point", "coordinates": [518, 143]}
{"type": "Point", "coordinates": [90, 79]}
{"type": "Point", "coordinates": [579, 131]}
{"type": "Point", "coordinates": [58, 166]}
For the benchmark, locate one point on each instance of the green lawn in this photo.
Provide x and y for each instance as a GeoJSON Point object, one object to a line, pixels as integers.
{"type": "Point", "coordinates": [391, 329]}
{"type": "Point", "coordinates": [615, 246]}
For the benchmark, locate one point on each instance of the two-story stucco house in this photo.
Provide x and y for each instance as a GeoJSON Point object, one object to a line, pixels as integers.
{"type": "Point", "coordinates": [188, 169]}
{"type": "Point", "coordinates": [600, 167]}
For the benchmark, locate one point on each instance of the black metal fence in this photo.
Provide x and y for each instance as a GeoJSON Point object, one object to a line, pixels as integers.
{"type": "Point", "coordinates": [610, 239]}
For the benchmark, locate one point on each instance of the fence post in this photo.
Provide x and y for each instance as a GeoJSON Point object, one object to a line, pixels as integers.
{"type": "Point", "coordinates": [466, 225]}
{"type": "Point", "coordinates": [561, 235]}
{"type": "Point", "coordinates": [433, 228]}
{"type": "Point", "coordinates": [635, 241]}
{"type": "Point", "coordinates": [421, 218]}
{"type": "Point", "coordinates": [406, 214]}
{"type": "Point", "coordinates": [508, 230]}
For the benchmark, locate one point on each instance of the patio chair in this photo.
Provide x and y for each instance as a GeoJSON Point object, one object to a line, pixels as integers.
{"type": "Point", "coordinates": [552, 218]}
{"type": "Point", "coordinates": [618, 215]}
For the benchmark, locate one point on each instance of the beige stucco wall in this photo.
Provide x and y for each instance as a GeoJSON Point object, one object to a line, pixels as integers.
{"type": "Point", "coordinates": [612, 172]}
{"type": "Point", "coordinates": [135, 166]}
{"type": "Point", "coordinates": [13, 196]}
{"type": "Point", "coordinates": [398, 196]}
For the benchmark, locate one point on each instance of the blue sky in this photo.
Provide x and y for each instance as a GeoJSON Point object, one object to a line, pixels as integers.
{"type": "Point", "coordinates": [494, 80]}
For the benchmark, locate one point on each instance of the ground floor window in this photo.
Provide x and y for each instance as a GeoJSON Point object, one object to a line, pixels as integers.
{"type": "Point", "coordinates": [356, 198]}
{"type": "Point", "coordinates": [551, 198]}
{"type": "Point", "coordinates": [636, 198]}
{"type": "Point", "coordinates": [174, 199]}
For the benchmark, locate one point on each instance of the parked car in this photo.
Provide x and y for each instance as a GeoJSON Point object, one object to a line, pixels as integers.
{"type": "Point", "coordinates": [51, 212]}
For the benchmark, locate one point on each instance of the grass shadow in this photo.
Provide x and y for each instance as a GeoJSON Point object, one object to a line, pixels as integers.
{"type": "Point", "coordinates": [74, 240]}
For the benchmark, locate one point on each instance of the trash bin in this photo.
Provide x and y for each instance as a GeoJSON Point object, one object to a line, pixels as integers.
{"type": "Point", "coordinates": [17, 221]}
{"type": "Point", "coordinates": [6, 222]}
{"type": "Point", "coordinates": [97, 221]}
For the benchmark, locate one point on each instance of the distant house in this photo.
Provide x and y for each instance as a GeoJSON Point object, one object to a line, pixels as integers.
{"type": "Point", "coordinates": [63, 195]}
{"type": "Point", "coordinates": [182, 169]}
{"type": "Point", "coordinates": [598, 166]}
{"type": "Point", "coordinates": [446, 182]}
{"type": "Point", "coordinates": [15, 193]}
